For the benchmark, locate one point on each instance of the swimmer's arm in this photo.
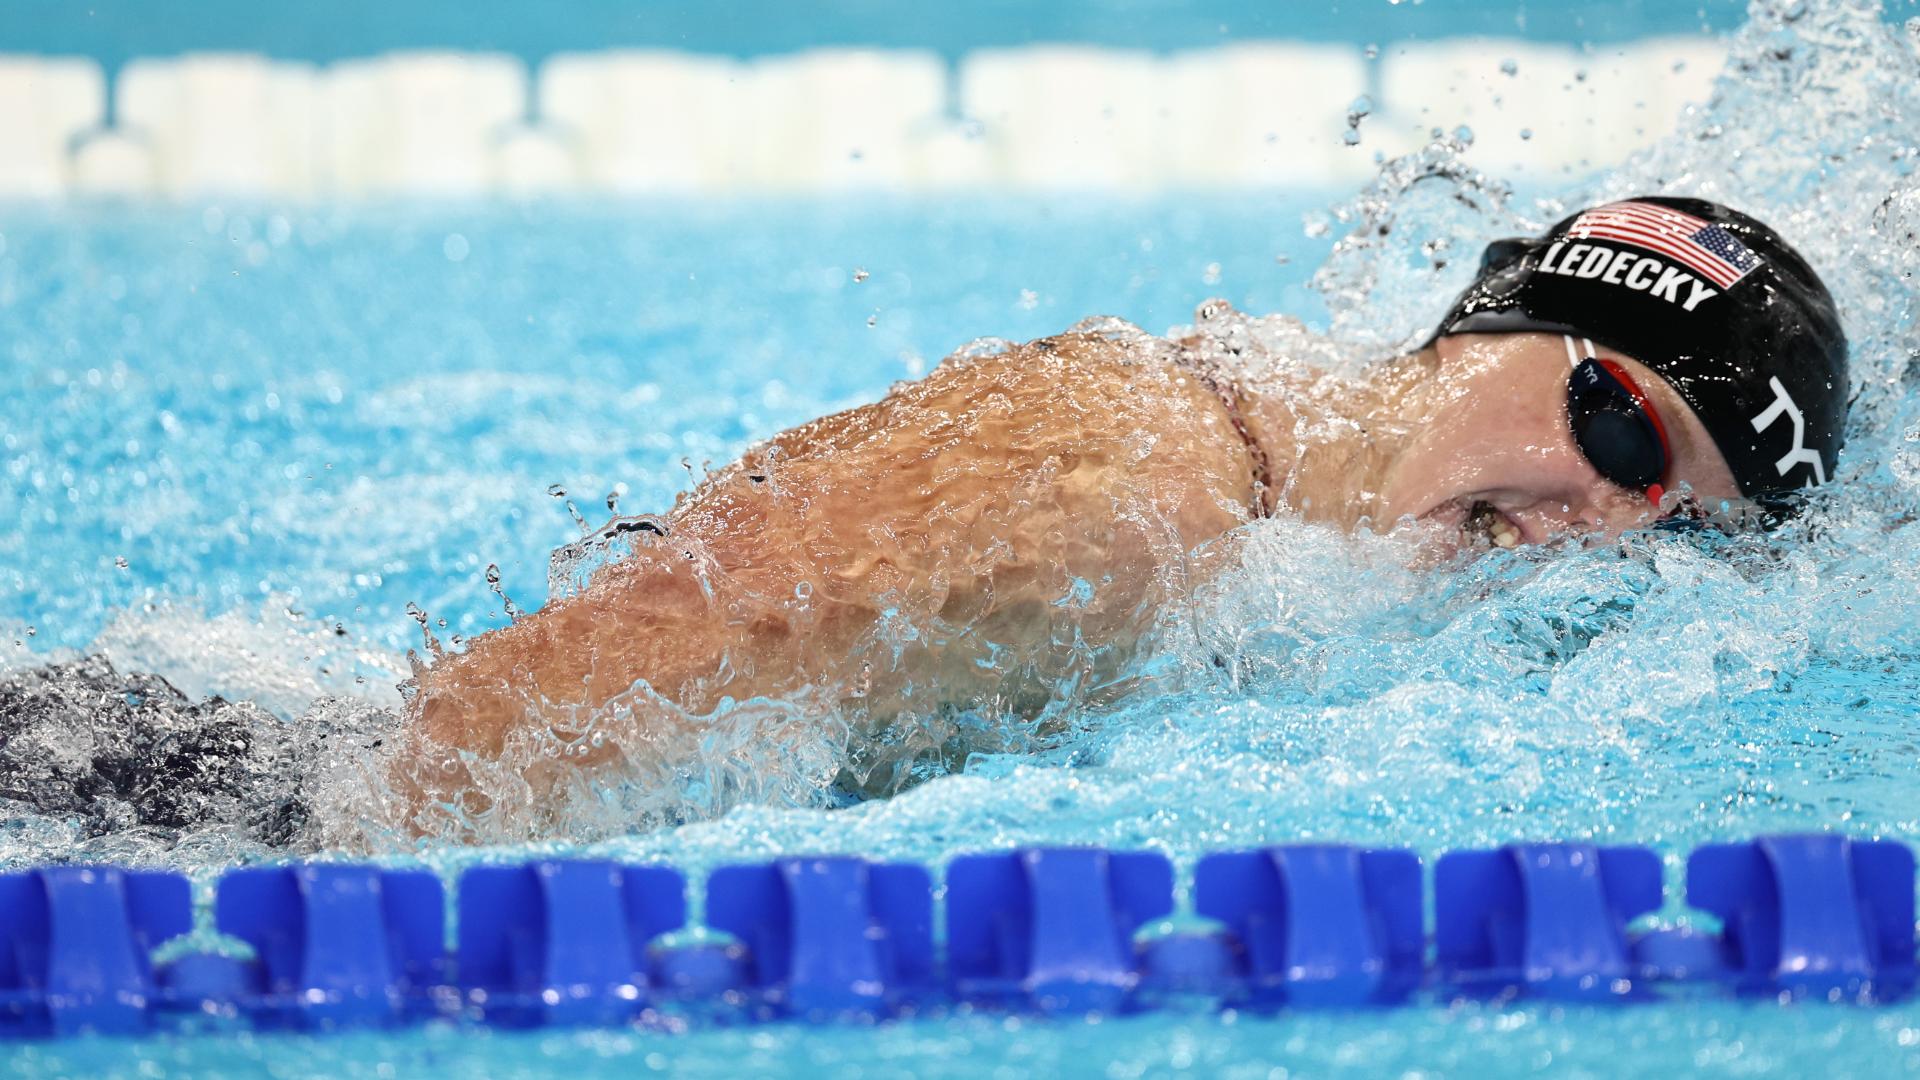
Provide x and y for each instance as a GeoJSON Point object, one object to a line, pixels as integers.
{"type": "Point", "coordinates": [962, 501]}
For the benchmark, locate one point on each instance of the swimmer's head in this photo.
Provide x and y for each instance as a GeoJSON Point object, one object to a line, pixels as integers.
{"type": "Point", "coordinates": [1634, 351]}
{"type": "Point", "coordinates": [1714, 303]}
{"type": "Point", "coordinates": [1489, 453]}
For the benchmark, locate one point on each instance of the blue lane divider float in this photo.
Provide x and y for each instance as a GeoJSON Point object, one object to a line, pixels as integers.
{"type": "Point", "coordinates": [562, 942]}
{"type": "Point", "coordinates": [1051, 930]}
{"type": "Point", "coordinates": [76, 943]}
{"type": "Point", "coordinates": [1548, 918]}
{"type": "Point", "coordinates": [829, 936]}
{"type": "Point", "coordinates": [1317, 924]}
{"type": "Point", "coordinates": [332, 944]}
{"type": "Point", "coordinates": [1811, 915]}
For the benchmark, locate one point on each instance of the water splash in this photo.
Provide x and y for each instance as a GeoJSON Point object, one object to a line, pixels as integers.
{"type": "Point", "coordinates": [431, 642]}
{"type": "Point", "coordinates": [506, 602]}
{"type": "Point", "coordinates": [127, 763]}
{"type": "Point", "coordinates": [1662, 688]}
{"type": "Point", "coordinates": [1360, 109]}
{"type": "Point", "coordinates": [571, 567]}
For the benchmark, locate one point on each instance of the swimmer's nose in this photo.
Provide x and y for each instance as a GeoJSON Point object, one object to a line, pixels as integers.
{"type": "Point", "coordinates": [1552, 489]}
{"type": "Point", "coordinates": [1578, 503]}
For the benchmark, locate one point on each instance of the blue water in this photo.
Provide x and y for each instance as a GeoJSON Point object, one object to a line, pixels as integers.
{"type": "Point", "coordinates": [292, 422]}
{"type": "Point", "coordinates": [322, 407]}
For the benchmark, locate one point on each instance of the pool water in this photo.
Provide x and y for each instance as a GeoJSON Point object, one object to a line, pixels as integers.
{"type": "Point", "coordinates": [237, 442]}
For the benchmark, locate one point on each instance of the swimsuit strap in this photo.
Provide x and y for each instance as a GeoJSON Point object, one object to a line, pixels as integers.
{"type": "Point", "coordinates": [1228, 391]}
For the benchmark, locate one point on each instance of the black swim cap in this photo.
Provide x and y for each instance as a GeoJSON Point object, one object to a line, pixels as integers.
{"type": "Point", "coordinates": [1710, 299]}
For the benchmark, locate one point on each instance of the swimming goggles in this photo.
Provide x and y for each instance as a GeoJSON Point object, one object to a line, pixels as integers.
{"type": "Point", "coordinates": [1615, 424]}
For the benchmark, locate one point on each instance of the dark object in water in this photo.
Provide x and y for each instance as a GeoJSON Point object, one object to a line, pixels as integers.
{"type": "Point", "coordinates": [81, 740]}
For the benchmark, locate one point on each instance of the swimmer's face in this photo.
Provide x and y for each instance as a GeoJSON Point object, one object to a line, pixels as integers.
{"type": "Point", "coordinates": [1492, 458]}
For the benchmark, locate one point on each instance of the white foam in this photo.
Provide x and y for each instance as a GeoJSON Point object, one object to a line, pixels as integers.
{"type": "Point", "coordinates": [45, 104]}
{"type": "Point", "coordinates": [277, 662]}
{"type": "Point", "coordinates": [225, 123]}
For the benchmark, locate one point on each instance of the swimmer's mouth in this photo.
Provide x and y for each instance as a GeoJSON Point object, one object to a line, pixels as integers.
{"type": "Point", "coordinates": [1482, 524]}
{"type": "Point", "coordinates": [1486, 523]}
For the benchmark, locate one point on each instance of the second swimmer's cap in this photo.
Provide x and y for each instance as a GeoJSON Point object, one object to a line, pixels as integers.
{"type": "Point", "coordinates": [1711, 300]}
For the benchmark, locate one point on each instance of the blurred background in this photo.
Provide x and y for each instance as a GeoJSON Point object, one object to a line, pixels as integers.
{"type": "Point", "coordinates": [130, 98]}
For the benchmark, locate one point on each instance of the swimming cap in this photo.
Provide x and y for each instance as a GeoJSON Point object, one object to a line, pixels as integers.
{"type": "Point", "coordinates": [1708, 298]}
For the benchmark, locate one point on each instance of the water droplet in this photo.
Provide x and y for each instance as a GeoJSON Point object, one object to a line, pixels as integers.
{"type": "Point", "coordinates": [120, 561]}
{"type": "Point", "coordinates": [556, 491]}
{"type": "Point", "coordinates": [1509, 67]}
{"type": "Point", "coordinates": [454, 247]}
{"type": "Point", "coordinates": [1526, 133]}
{"type": "Point", "coordinates": [803, 590]}
{"type": "Point", "coordinates": [873, 320]}
{"type": "Point", "coordinates": [1372, 51]}
{"type": "Point", "coordinates": [433, 644]}
{"type": "Point", "coordinates": [1211, 276]}
{"type": "Point", "coordinates": [1360, 109]}
{"type": "Point", "coordinates": [493, 582]}
{"type": "Point", "coordinates": [1029, 299]}
{"type": "Point", "coordinates": [859, 275]}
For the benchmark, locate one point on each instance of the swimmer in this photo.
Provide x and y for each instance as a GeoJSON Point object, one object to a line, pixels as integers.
{"type": "Point", "coordinates": [1008, 529]}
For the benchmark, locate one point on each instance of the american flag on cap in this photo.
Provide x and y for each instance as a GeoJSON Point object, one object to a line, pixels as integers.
{"type": "Point", "coordinates": [1699, 245]}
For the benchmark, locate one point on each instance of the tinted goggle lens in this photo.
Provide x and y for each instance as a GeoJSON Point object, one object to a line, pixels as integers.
{"type": "Point", "coordinates": [1612, 429]}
